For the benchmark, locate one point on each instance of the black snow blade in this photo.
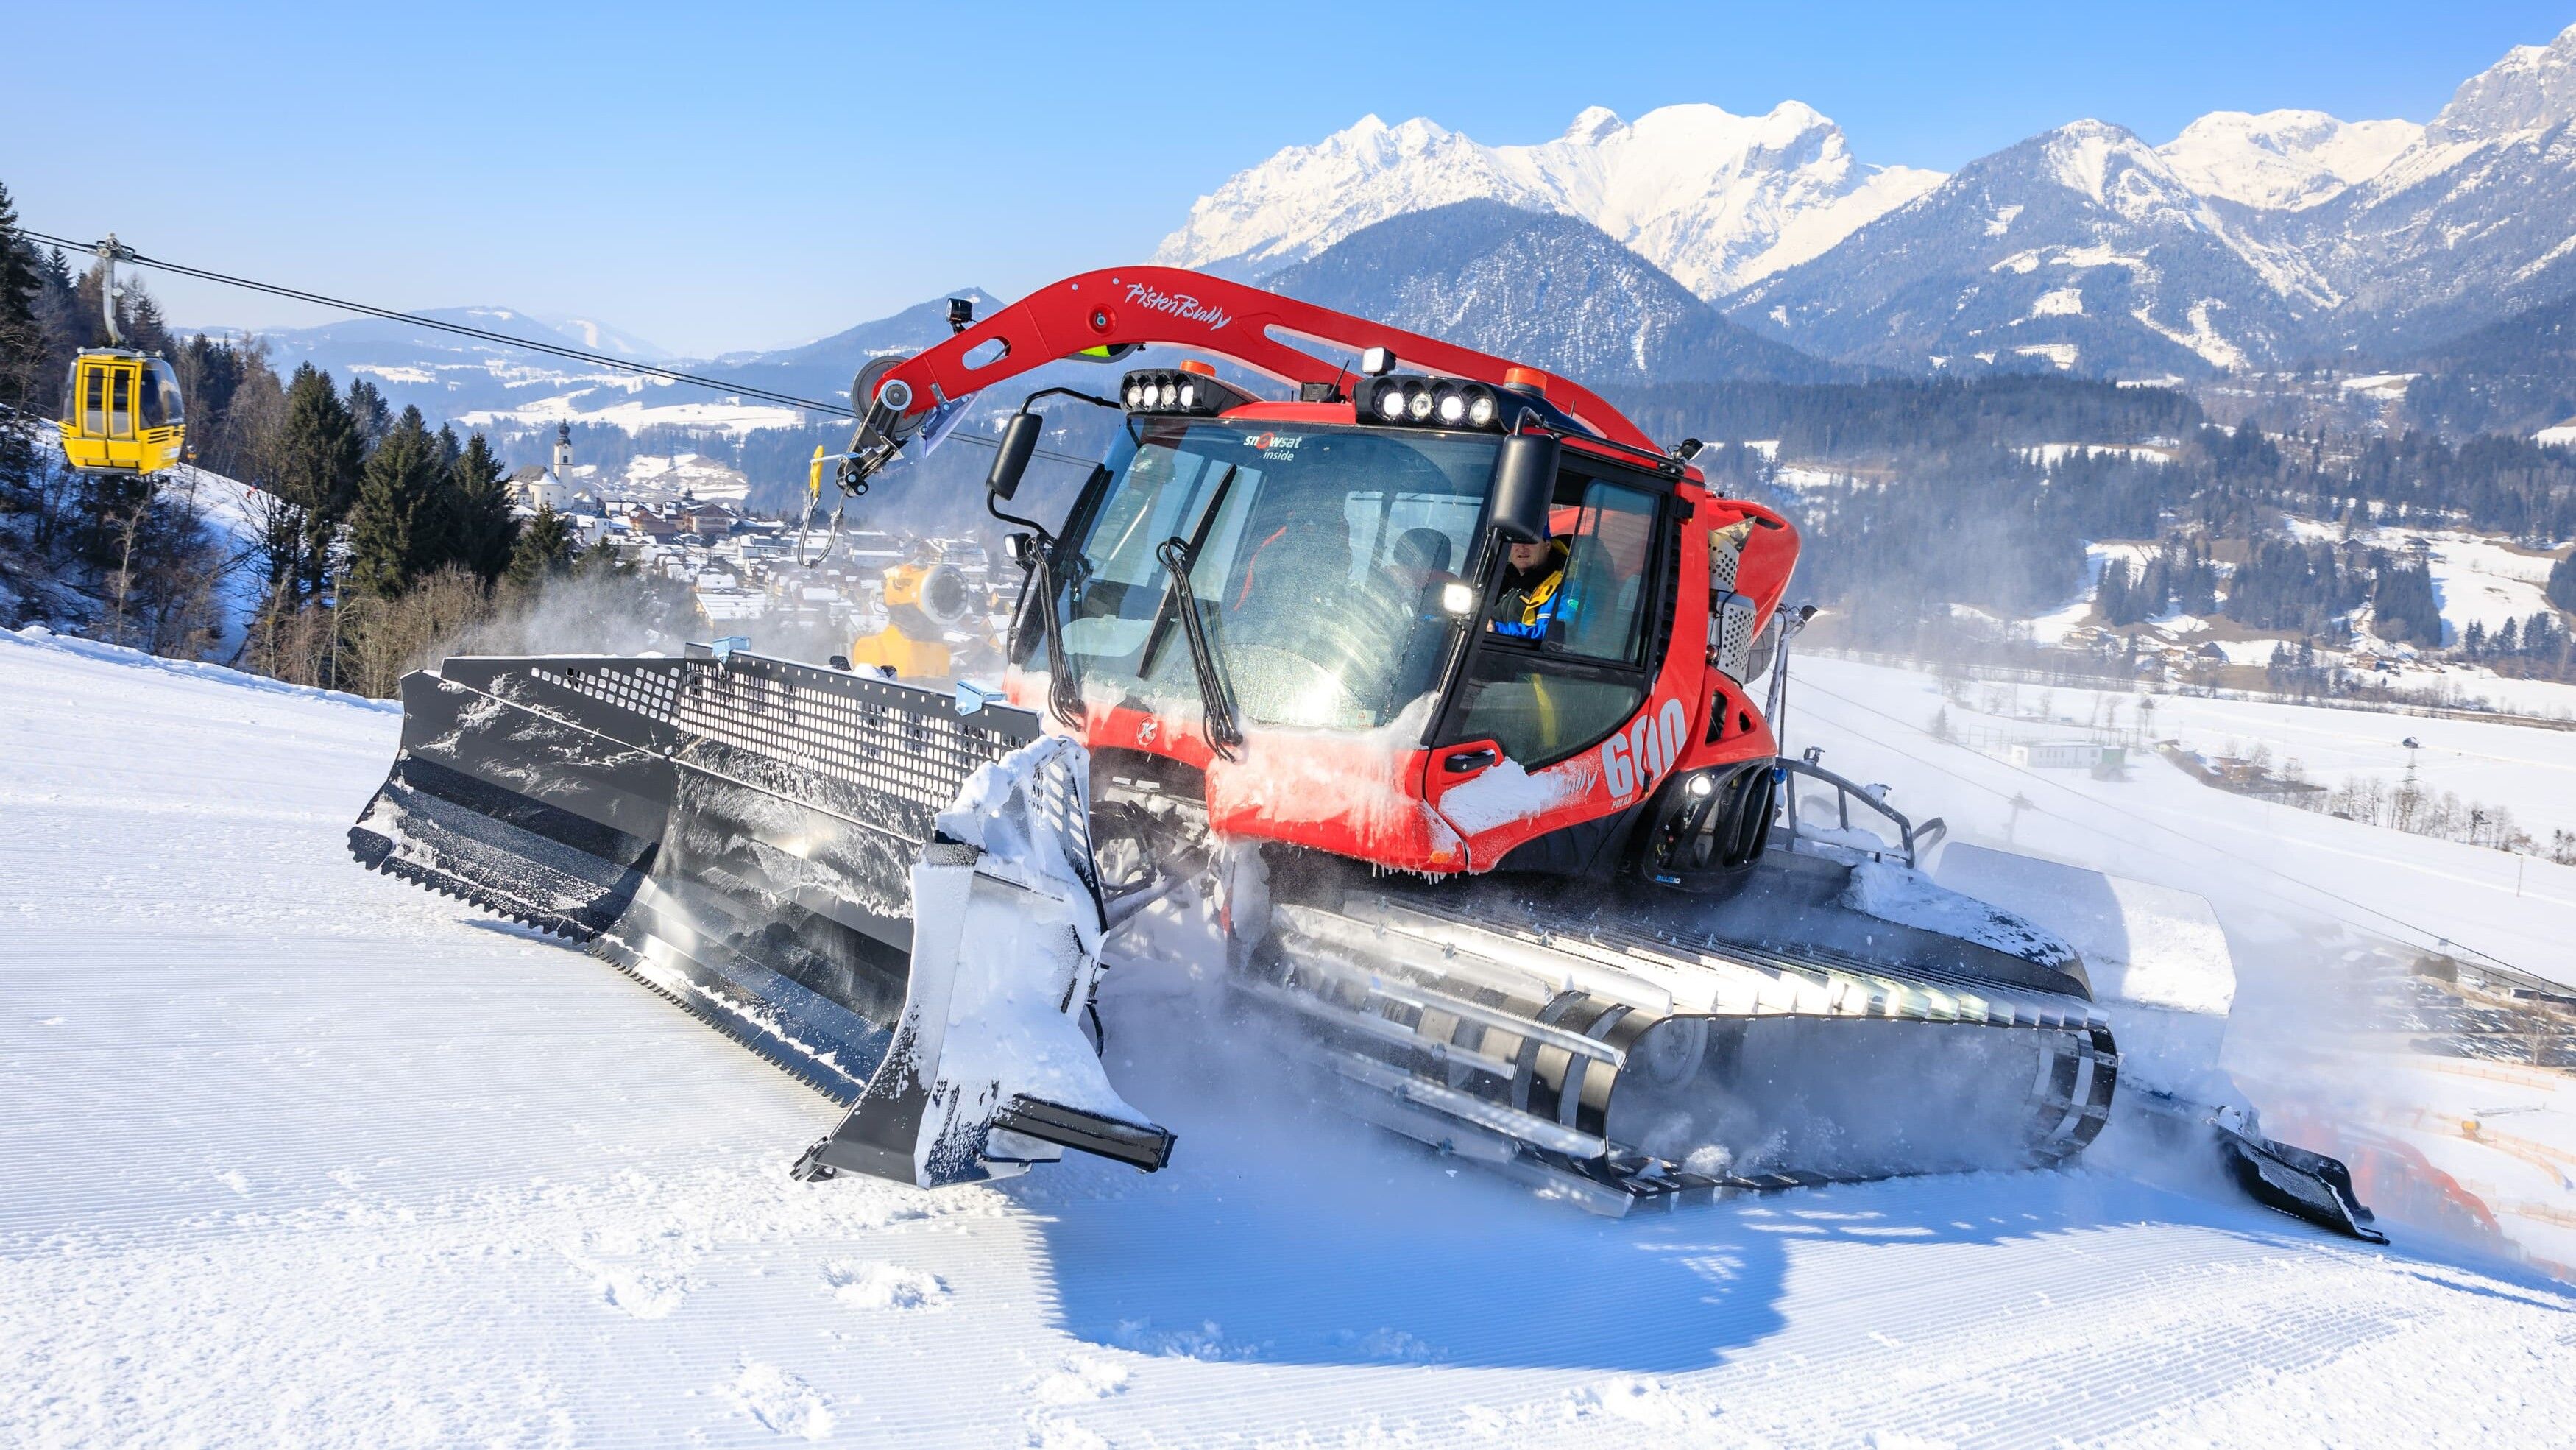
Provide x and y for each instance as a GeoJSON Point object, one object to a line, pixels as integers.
{"type": "Point", "coordinates": [2296, 1181]}
{"type": "Point", "coordinates": [1149, 1148]}
{"type": "Point", "coordinates": [746, 836]}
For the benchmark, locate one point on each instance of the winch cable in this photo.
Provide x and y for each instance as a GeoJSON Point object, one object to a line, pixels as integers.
{"type": "Point", "coordinates": [574, 354]}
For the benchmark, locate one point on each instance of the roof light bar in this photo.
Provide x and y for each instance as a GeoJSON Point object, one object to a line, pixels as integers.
{"type": "Point", "coordinates": [1192, 390]}
{"type": "Point", "coordinates": [1432, 402]}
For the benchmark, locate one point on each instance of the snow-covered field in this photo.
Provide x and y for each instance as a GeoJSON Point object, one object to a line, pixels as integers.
{"type": "Point", "coordinates": [731, 415]}
{"type": "Point", "coordinates": [658, 477]}
{"type": "Point", "coordinates": [299, 1155]}
{"type": "Point", "coordinates": [2478, 579]}
{"type": "Point", "coordinates": [2260, 862]}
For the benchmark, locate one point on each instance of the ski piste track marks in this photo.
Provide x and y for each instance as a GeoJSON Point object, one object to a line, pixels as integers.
{"type": "Point", "coordinates": [316, 1157]}
{"type": "Point", "coordinates": [439, 884]}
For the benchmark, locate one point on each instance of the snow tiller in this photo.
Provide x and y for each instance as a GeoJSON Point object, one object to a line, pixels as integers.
{"type": "Point", "coordinates": [1411, 692]}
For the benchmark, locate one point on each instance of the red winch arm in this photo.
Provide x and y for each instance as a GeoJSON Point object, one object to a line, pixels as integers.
{"type": "Point", "coordinates": [1168, 305]}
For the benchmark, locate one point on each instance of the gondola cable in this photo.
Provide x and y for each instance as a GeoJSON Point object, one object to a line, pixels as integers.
{"type": "Point", "coordinates": [734, 389]}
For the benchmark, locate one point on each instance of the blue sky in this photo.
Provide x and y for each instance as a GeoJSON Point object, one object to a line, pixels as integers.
{"type": "Point", "coordinates": [717, 177]}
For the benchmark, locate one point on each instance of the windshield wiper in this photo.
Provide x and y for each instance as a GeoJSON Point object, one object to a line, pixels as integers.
{"type": "Point", "coordinates": [1037, 557]}
{"type": "Point", "coordinates": [1224, 731]}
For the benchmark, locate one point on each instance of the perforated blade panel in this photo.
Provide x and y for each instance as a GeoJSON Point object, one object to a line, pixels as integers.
{"type": "Point", "coordinates": [902, 741]}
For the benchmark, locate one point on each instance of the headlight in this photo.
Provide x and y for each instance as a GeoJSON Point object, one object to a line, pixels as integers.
{"type": "Point", "coordinates": [1701, 785]}
{"type": "Point", "coordinates": [1192, 388]}
{"type": "Point", "coordinates": [1440, 402]}
{"type": "Point", "coordinates": [1458, 600]}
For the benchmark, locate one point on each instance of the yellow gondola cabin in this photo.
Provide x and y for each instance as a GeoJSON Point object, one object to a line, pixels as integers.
{"type": "Point", "coordinates": [122, 413]}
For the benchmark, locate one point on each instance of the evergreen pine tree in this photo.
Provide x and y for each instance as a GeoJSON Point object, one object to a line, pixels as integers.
{"type": "Point", "coordinates": [2155, 586]}
{"type": "Point", "coordinates": [398, 530]}
{"type": "Point", "coordinates": [544, 548]}
{"type": "Point", "coordinates": [210, 373]}
{"type": "Point", "coordinates": [319, 455]}
{"type": "Point", "coordinates": [484, 530]}
{"type": "Point", "coordinates": [57, 306]}
{"type": "Point", "coordinates": [2542, 637]}
{"type": "Point", "coordinates": [2562, 583]}
{"type": "Point", "coordinates": [2402, 603]}
{"type": "Point", "coordinates": [2111, 597]}
{"type": "Point", "coordinates": [142, 324]}
{"type": "Point", "coordinates": [369, 414]}
{"type": "Point", "coordinates": [22, 350]}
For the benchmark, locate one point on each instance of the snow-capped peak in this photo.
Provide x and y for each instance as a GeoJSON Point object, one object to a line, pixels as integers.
{"type": "Point", "coordinates": [2081, 154]}
{"type": "Point", "coordinates": [600, 337]}
{"type": "Point", "coordinates": [2532, 88]}
{"type": "Point", "coordinates": [1591, 124]}
{"type": "Point", "coordinates": [1716, 199]}
{"type": "Point", "coordinates": [2111, 167]}
{"type": "Point", "coordinates": [2283, 160]}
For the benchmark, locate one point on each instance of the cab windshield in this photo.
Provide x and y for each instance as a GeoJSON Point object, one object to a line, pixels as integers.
{"type": "Point", "coordinates": [1318, 557]}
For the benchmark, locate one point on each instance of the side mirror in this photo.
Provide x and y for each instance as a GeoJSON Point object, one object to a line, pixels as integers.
{"type": "Point", "coordinates": [1019, 440]}
{"type": "Point", "coordinates": [1524, 486]}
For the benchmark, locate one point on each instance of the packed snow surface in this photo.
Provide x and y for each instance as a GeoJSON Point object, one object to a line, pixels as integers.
{"type": "Point", "coordinates": [297, 1154]}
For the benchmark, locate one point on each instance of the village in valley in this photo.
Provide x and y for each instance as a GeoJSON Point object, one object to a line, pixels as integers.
{"type": "Point", "coordinates": [683, 518]}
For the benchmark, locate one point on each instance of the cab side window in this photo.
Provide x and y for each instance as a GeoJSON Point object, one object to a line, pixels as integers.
{"type": "Point", "coordinates": [1603, 616]}
{"type": "Point", "coordinates": [1547, 696]}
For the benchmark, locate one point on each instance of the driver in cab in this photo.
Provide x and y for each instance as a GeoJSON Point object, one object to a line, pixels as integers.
{"type": "Point", "coordinates": [1533, 586]}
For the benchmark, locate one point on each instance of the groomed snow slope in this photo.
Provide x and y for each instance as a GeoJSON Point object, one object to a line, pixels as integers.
{"type": "Point", "coordinates": [296, 1154]}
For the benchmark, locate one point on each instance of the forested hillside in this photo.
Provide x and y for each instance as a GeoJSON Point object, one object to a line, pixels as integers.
{"type": "Point", "coordinates": [367, 537]}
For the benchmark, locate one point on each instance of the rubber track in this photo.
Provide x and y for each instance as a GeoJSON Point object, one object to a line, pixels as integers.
{"type": "Point", "coordinates": [2059, 1142]}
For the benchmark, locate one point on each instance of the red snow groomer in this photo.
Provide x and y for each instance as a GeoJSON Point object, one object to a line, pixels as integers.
{"type": "Point", "coordinates": [1420, 686]}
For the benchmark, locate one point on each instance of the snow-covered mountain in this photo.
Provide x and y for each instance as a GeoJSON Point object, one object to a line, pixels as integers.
{"type": "Point", "coordinates": [452, 378]}
{"type": "Point", "coordinates": [2474, 221]}
{"type": "Point", "coordinates": [2080, 249]}
{"type": "Point", "coordinates": [601, 338]}
{"type": "Point", "coordinates": [823, 369]}
{"type": "Point", "coordinates": [2283, 160]}
{"type": "Point", "coordinates": [1538, 287]}
{"type": "Point", "coordinates": [1715, 199]}
{"type": "Point", "coordinates": [447, 375]}
{"type": "Point", "coordinates": [2248, 240]}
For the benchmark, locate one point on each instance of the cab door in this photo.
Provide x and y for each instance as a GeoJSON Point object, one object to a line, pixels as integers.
{"type": "Point", "coordinates": [121, 400]}
{"type": "Point", "coordinates": [1541, 699]}
{"type": "Point", "coordinates": [93, 409]}
{"type": "Point", "coordinates": [100, 429]}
